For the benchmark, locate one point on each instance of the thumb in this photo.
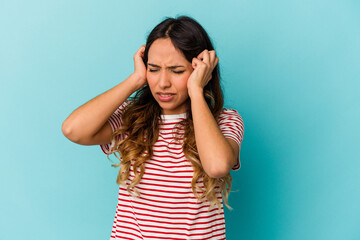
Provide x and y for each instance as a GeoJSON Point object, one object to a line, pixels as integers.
{"type": "Point", "coordinates": [195, 62]}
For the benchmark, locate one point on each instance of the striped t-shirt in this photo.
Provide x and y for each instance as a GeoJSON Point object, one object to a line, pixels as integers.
{"type": "Point", "coordinates": [167, 208]}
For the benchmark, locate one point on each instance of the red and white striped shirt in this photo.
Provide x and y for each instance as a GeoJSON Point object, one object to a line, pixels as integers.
{"type": "Point", "coordinates": [167, 208]}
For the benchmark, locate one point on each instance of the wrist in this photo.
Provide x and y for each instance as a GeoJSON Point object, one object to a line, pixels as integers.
{"type": "Point", "coordinates": [196, 92]}
{"type": "Point", "coordinates": [136, 81]}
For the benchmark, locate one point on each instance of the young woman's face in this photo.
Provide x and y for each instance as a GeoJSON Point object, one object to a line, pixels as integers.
{"type": "Point", "coordinates": [167, 75]}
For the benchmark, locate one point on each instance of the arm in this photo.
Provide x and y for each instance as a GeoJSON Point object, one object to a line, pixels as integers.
{"type": "Point", "coordinates": [217, 154]}
{"type": "Point", "coordinates": [87, 125]}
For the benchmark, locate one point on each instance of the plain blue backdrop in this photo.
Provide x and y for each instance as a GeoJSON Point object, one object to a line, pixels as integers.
{"type": "Point", "coordinates": [290, 68]}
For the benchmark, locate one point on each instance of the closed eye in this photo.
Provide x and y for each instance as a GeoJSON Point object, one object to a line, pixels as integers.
{"type": "Point", "coordinates": [177, 72]}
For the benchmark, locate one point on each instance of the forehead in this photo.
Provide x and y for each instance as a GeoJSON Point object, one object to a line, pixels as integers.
{"type": "Point", "coordinates": [163, 51]}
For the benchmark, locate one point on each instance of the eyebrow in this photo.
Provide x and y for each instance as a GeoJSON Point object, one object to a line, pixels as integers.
{"type": "Point", "coordinates": [170, 67]}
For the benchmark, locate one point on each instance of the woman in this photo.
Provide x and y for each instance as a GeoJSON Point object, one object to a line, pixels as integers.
{"type": "Point", "coordinates": [174, 132]}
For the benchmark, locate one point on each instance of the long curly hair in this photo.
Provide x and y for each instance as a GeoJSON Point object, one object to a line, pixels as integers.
{"type": "Point", "coordinates": [140, 118]}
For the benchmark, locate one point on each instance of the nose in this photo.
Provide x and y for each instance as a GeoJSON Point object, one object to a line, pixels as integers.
{"type": "Point", "coordinates": [164, 81]}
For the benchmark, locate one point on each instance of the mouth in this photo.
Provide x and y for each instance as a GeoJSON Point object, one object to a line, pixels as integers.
{"type": "Point", "coordinates": [165, 94]}
{"type": "Point", "coordinates": [165, 97]}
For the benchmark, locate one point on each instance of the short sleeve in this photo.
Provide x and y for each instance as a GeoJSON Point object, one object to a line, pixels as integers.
{"type": "Point", "coordinates": [232, 126]}
{"type": "Point", "coordinates": [115, 121]}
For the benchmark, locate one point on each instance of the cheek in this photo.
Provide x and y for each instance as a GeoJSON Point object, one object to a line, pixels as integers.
{"type": "Point", "coordinates": [182, 83]}
{"type": "Point", "coordinates": [150, 80]}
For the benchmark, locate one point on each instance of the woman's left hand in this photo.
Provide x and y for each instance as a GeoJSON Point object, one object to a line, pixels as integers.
{"type": "Point", "coordinates": [203, 65]}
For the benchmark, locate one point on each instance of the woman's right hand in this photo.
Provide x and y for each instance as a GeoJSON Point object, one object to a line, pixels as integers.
{"type": "Point", "coordinates": [139, 67]}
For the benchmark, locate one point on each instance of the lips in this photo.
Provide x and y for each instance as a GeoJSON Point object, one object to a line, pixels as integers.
{"type": "Point", "coordinates": [165, 94]}
{"type": "Point", "coordinates": [165, 97]}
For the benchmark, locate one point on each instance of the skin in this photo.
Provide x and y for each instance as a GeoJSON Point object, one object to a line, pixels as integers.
{"type": "Point", "coordinates": [217, 153]}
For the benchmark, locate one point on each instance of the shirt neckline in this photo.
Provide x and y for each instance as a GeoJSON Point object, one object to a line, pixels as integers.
{"type": "Point", "coordinates": [173, 116]}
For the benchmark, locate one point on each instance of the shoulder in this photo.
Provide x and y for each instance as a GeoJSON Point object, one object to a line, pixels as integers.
{"type": "Point", "coordinates": [116, 118]}
{"type": "Point", "coordinates": [119, 111]}
{"type": "Point", "coordinates": [125, 104]}
{"type": "Point", "coordinates": [229, 114]}
{"type": "Point", "coordinates": [231, 124]}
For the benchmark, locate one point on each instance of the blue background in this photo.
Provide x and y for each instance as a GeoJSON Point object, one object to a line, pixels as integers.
{"type": "Point", "coordinates": [290, 68]}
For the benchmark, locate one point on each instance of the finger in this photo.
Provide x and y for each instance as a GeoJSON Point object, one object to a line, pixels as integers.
{"type": "Point", "coordinates": [201, 55]}
{"type": "Point", "coordinates": [141, 50]}
{"type": "Point", "coordinates": [216, 61]}
{"type": "Point", "coordinates": [199, 62]}
{"type": "Point", "coordinates": [212, 56]}
{"type": "Point", "coordinates": [206, 57]}
{"type": "Point", "coordinates": [195, 62]}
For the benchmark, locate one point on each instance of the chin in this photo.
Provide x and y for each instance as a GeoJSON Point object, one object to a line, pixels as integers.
{"type": "Point", "coordinates": [168, 108]}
